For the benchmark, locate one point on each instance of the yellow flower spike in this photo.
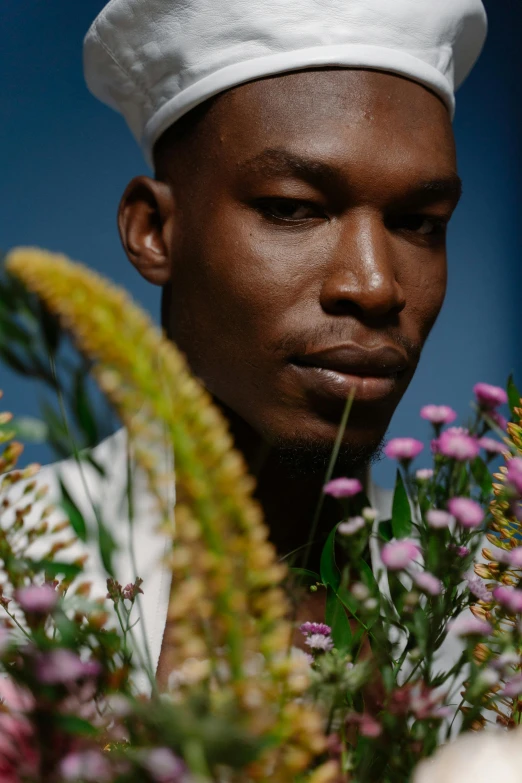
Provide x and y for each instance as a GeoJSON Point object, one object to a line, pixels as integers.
{"type": "Point", "coordinates": [150, 385]}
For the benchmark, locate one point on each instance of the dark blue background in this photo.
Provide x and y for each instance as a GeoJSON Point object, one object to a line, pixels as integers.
{"type": "Point", "coordinates": [65, 160]}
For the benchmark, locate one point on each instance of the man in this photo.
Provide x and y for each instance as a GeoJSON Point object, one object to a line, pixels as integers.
{"type": "Point", "coordinates": [305, 175]}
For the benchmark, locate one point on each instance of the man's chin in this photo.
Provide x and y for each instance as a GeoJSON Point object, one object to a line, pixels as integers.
{"type": "Point", "coordinates": [309, 459]}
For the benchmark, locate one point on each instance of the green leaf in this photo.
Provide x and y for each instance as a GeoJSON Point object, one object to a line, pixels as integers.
{"type": "Point", "coordinates": [53, 569]}
{"type": "Point", "coordinates": [482, 476]}
{"type": "Point", "coordinates": [83, 411]}
{"type": "Point", "coordinates": [72, 724]}
{"type": "Point", "coordinates": [401, 512]}
{"type": "Point", "coordinates": [337, 619]}
{"type": "Point", "coordinates": [307, 576]}
{"type": "Point", "coordinates": [368, 577]}
{"type": "Point", "coordinates": [29, 429]}
{"type": "Point", "coordinates": [106, 544]}
{"type": "Point", "coordinates": [514, 396]}
{"type": "Point", "coordinates": [74, 514]}
{"type": "Point", "coordinates": [385, 530]}
{"type": "Point", "coordinates": [330, 574]}
{"type": "Point", "coordinates": [51, 330]}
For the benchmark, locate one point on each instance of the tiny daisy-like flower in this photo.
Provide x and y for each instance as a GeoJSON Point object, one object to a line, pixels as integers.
{"type": "Point", "coordinates": [351, 526]}
{"type": "Point", "coordinates": [343, 487]}
{"type": "Point", "coordinates": [467, 625]}
{"type": "Point", "coordinates": [397, 555]}
{"type": "Point", "coordinates": [370, 514]}
{"type": "Point", "coordinates": [38, 599]}
{"type": "Point", "coordinates": [428, 583]}
{"type": "Point", "coordinates": [438, 414]}
{"type": "Point", "coordinates": [438, 519]}
{"type": "Point", "coordinates": [515, 557]}
{"type": "Point", "coordinates": [478, 588]}
{"type": "Point", "coordinates": [509, 597]}
{"type": "Point", "coordinates": [403, 449]}
{"type": "Point", "coordinates": [513, 687]}
{"type": "Point", "coordinates": [424, 474]}
{"type": "Point", "coordinates": [489, 396]}
{"type": "Point", "coordinates": [317, 641]}
{"type": "Point", "coordinates": [467, 512]}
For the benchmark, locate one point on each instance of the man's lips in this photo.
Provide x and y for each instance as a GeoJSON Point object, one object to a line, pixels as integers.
{"type": "Point", "coordinates": [334, 372]}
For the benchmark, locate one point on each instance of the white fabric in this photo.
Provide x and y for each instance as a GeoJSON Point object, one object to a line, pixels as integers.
{"type": "Point", "coordinates": [154, 60]}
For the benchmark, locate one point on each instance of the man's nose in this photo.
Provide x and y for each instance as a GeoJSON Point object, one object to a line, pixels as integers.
{"type": "Point", "coordinates": [362, 270]}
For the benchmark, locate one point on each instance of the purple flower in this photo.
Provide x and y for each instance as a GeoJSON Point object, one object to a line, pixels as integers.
{"type": "Point", "coordinates": [438, 414]}
{"type": "Point", "coordinates": [62, 666]}
{"type": "Point", "coordinates": [318, 641]}
{"type": "Point", "coordinates": [428, 583]}
{"type": "Point", "coordinates": [478, 588]}
{"type": "Point", "coordinates": [462, 551]}
{"type": "Point", "coordinates": [90, 766]}
{"type": "Point", "coordinates": [459, 446]}
{"type": "Point", "coordinates": [488, 396]}
{"type": "Point", "coordinates": [466, 511]}
{"type": "Point", "coordinates": [164, 766]}
{"type": "Point", "coordinates": [310, 628]}
{"type": "Point", "coordinates": [492, 446]}
{"type": "Point", "coordinates": [514, 474]}
{"type": "Point", "coordinates": [439, 519]}
{"type": "Point", "coordinates": [398, 554]}
{"type": "Point", "coordinates": [403, 449]}
{"type": "Point", "coordinates": [424, 474]}
{"type": "Point", "coordinates": [38, 599]}
{"type": "Point", "coordinates": [467, 625]}
{"type": "Point", "coordinates": [513, 687]}
{"type": "Point", "coordinates": [351, 526]}
{"type": "Point", "coordinates": [509, 597]}
{"type": "Point", "coordinates": [343, 487]}
{"type": "Point", "coordinates": [515, 557]}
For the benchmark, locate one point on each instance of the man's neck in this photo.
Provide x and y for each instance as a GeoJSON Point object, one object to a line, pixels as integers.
{"type": "Point", "coordinates": [289, 501]}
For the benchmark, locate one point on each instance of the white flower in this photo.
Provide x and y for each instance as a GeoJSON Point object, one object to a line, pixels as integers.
{"type": "Point", "coordinates": [317, 641]}
{"type": "Point", "coordinates": [482, 757]}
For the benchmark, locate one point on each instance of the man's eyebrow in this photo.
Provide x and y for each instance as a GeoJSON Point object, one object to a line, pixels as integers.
{"type": "Point", "coordinates": [276, 162]}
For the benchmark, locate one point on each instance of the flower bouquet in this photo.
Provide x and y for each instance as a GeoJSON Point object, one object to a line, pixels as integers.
{"type": "Point", "coordinates": [421, 640]}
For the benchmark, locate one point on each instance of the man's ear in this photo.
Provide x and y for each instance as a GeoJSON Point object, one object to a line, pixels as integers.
{"type": "Point", "coordinates": [146, 220]}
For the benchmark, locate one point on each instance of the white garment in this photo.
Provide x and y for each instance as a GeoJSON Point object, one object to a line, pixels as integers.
{"type": "Point", "coordinates": [154, 60]}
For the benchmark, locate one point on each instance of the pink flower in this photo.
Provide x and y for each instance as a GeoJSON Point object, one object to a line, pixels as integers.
{"type": "Point", "coordinates": [403, 449]}
{"type": "Point", "coordinates": [164, 766]}
{"type": "Point", "coordinates": [62, 666]}
{"type": "Point", "coordinates": [424, 474]}
{"type": "Point", "coordinates": [466, 511]}
{"type": "Point", "coordinates": [428, 583]}
{"type": "Point", "coordinates": [509, 597]}
{"type": "Point", "coordinates": [89, 766]}
{"type": "Point", "coordinates": [19, 759]}
{"type": "Point", "coordinates": [515, 557]}
{"type": "Point", "coordinates": [439, 519]}
{"type": "Point", "coordinates": [398, 554]}
{"type": "Point", "coordinates": [492, 446]}
{"type": "Point", "coordinates": [514, 473]}
{"type": "Point", "coordinates": [351, 526]}
{"type": "Point", "coordinates": [467, 625]}
{"type": "Point", "coordinates": [38, 599]}
{"type": "Point", "coordinates": [462, 551]}
{"type": "Point", "coordinates": [499, 420]}
{"type": "Point", "coordinates": [489, 396]}
{"type": "Point", "coordinates": [368, 725]}
{"type": "Point", "coordinates": [343, 487]}
{"type": "Point", "coordinates": [458, 446]}
{"type": "Point", "coordinates": [478, 588]}
{"type": "Point", "coordinates": [310, 628]}
{"type": "Point", "coordinates": [438, 414]}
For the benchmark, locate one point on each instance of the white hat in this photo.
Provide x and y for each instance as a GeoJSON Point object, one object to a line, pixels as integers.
{"type": "Point", "coordinates": [154, 60]}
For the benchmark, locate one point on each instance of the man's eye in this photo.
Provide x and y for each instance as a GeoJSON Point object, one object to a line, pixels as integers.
{"type": "Point", "coordinates": [288, 209]}
{"type": "Point", "coordinates": [421, 224]}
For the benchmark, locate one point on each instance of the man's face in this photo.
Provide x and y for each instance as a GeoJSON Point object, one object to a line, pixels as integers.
{"type": "Point", "coordinates": [309, 253]}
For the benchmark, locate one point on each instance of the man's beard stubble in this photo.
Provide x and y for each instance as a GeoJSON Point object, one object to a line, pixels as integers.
{"type": "Point", "coordinates": [306, 459]}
